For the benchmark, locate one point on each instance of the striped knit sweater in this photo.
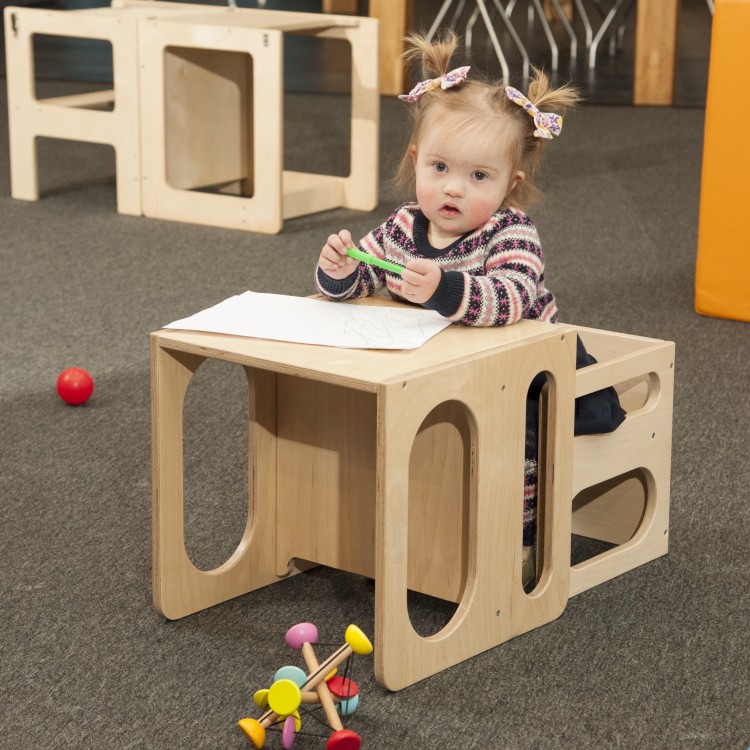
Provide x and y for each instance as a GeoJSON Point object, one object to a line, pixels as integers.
{"type": "Point", "coordinates": [493, 276]}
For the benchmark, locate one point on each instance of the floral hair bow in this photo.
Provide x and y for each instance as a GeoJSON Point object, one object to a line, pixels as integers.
{"type": "Point", "coordinates": [448, 81]}
{"type": "Point", "coordinates": [547, 123]}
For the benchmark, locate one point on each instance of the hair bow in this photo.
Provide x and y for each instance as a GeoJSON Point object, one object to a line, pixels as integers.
{"type": "Point", "coordinates": [448, 81]}
{"type": "Point", "coordinates": [547, 123]}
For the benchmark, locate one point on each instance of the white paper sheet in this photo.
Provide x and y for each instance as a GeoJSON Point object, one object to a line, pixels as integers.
{"type": "Point", "coordinates": [309, 321]}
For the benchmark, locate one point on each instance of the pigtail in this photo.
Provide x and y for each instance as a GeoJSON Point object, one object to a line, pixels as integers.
{"type": "Point", "coordinates": [433, 58]}
{"type": "Point", "coordinates": [558, 100]}
{"type": "Point", "coordinates": [546, 99]}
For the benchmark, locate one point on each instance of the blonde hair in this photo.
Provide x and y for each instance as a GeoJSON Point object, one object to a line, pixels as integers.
{"type": "Point", "coordinates": [479, 102]}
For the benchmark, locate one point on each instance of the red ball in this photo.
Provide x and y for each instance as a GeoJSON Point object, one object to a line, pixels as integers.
{"type": "Point", "coordinates": [75, 385]}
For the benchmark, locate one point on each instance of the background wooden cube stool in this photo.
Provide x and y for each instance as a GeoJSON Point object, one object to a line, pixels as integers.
{"type": "Point", "coordinates": [73, 117]}
{"type": "Point", "coordinates": [212, 117]}
{"type": "Point", "coordinates": [109, 116]}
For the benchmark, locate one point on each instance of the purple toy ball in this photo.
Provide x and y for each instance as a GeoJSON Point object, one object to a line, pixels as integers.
{"type": "Point", "coordinates": [288, 733]}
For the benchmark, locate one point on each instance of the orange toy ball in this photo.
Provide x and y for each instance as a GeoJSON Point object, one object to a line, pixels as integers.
{"type": "Point", "coordinates": [75, 385]}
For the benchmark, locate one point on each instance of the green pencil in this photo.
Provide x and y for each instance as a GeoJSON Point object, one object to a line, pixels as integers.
{"type": "Point", "coordinates": [352, 252]}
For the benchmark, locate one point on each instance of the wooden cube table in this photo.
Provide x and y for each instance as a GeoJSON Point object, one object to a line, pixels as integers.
{"type": "Point", "coordinates": [344, 472]}
{"type": "Point", "coordinates": [407, 467]}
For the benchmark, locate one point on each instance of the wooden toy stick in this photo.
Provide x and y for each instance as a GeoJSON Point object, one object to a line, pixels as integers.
{"type": "Point", "coordinates": [326, 699]}
{"type": "Point", "coordinates": [336, 658]}
{"type": "Point", "coordinates": [311, 696]}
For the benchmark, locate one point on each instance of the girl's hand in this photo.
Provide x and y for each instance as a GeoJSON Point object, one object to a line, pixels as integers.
{"type": "Point", "coordinates": [420, 280]}
{"type": "Point", "coordinates": [333, 258]}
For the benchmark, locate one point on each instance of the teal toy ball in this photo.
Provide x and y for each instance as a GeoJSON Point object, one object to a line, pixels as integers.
{"type": "Point", "coordinates": [74, 385]}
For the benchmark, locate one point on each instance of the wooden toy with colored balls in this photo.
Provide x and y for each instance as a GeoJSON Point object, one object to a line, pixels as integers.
{"type": "Point", "coordinates": [75, 385]}
{"type": "Point", "coordinates": [294, 687]}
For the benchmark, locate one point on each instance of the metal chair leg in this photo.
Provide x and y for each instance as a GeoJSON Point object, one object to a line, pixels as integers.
{"type": "Point", "coordinates": [616, 39]}
{"type": "Point", "coordinates": [496, 43]}
{"type": "Point", "coordinates": [469, 40]}
{"type": "Point", "coordinates": [469, 33]}
{"type": "Point", "coordinates": [457, 13]}
{"type": "Point", "coordinates": [513, 34]}
{"type": "Point", "coordinates": [568, 28]}
{"type": "Point", "coordinates": [438, 19]}
{"type": "Point", "coordinates": [603, 29]}
{"type": "Point", "coordinates": [586, 22]}
{"type": "Point", "coordinates": [548, 33]}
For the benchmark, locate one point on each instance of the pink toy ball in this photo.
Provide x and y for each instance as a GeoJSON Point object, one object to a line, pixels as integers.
{"type": "Point", "coordinates": [74, 385]}
{"type": "Point", "coordinates": [303, 632]}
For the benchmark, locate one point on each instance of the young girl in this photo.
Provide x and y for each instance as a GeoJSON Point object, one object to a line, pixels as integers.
{"type": "Point", "coordinates": [468, 249]}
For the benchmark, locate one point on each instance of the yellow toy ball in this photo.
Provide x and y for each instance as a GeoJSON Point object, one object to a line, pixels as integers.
{"type": "Point", "coordinates": [359, 642]}
{"type": "Point", "coordinates": [284, 697]}
{"type": "Point", "coordinates": [254, 731]}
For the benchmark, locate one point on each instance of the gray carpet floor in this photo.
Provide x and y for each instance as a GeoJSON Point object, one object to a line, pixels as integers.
{"type": "Point", "coordinates": [656, 659]}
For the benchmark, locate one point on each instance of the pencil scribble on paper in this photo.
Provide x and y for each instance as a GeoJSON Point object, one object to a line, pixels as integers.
{"type": "Point", "coordinates": [376, 326]}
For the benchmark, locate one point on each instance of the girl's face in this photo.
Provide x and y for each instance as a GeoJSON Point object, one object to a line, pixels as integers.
{"type": "Point", "coordinates": [460, 180]}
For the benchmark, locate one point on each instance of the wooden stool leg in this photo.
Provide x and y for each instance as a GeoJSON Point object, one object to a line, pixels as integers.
{"type": "Point", "coordinates": [24, 182]}
{"type": "Point", "coordinates": [24, 171]}
{"type": "Point", "coordinates": [127, 112]}
{"type": "Point", "coordinates": [179, 588]}
{"type": "Point", "coordinates": [493, 606]}
{"type": "Point", "coordinates": [362, 186]}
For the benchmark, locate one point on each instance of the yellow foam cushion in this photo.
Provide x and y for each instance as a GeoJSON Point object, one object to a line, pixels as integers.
{"type": "Point", "coordinates": [722, 279]}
